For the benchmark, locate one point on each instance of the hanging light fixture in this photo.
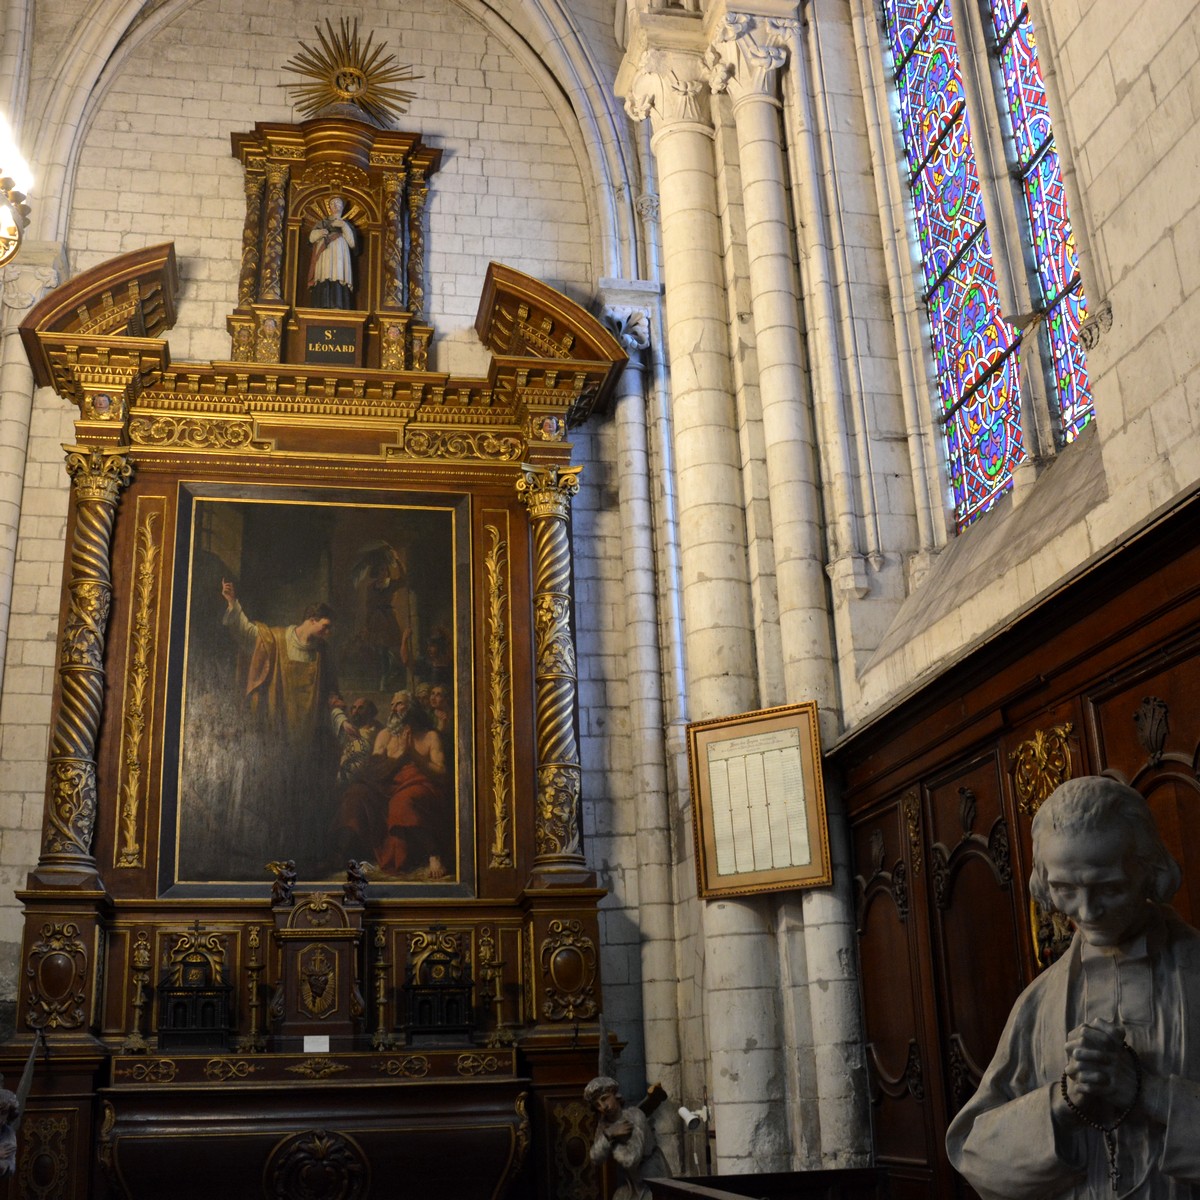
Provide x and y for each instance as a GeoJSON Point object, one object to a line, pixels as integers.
{"type": "Point", "coordinates": [15, 181]}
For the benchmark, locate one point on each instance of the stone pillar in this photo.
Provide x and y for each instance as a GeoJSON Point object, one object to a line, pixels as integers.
{"type": "Point", "coordinates": [24, 281]}
{"type": "Point", "coordinates": [631, 321]}
{"type": "Point", "coordinates": [270, 285]}
{"type": "Point", "coordinates": [716, 590]}
{"type": "Point", "coordinates": [98, 475]}
{"type": "Point", "coordinates": [740, 971]}
{"type": "Point", "coordinates": [745, 61]}
{"type": "Point", "coordinates": [558, 840]}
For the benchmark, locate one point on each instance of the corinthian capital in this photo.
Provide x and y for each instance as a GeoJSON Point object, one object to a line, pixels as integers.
{"type": "Point", "coordinates": [746, 52]}
{"type": "Point", "coordinates": [671, 88]}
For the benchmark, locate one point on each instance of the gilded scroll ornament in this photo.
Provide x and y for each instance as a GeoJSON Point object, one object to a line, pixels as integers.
{"type": "Point", "coordinates": [568, 958]}
{"type": "Point", "coordinates": [139, 673]}
{"type": "Point", "coordinates": [156, 1070]}
{"type": "Point", "coordinates": [221, 1070]}
{"type": "Point", "coordinates": [495, 567]}
{"type": "Point", "coordinates": [56, 973]}
{"type": "Point", "coordinates": [430, 443]}
{"type": "Point", "coordinates": [472, 1065]}
{"type": "Point", "coordinates": [1040, 765]}
{"type": "Point", "coordinates": [411, 1066]}
{"type": "Point", "coordinates": [194, 433]}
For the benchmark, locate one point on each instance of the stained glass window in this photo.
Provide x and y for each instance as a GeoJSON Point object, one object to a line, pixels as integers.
{"type": "Point", "coordinates": [974, 349]}
{"type": "Point", "coordinates": [1049, 227]}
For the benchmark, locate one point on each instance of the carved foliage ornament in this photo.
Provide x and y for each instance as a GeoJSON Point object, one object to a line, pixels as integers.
{"type": "Point", "coordinates": [499, 696]}
{"type": "Point", "coordinates": [1152, 721]}
{"type": "Point", "coordinates": [43, 1161]}
{"type": "Point", "coordinates": [138, 686]}
{"type": "Point", "coordinates": [318, 1164]}
{"type": "Point", "coordinates": [1040, 765]}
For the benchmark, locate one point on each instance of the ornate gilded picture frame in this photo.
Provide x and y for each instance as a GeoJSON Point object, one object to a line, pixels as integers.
{"type": "Point", "coordinates": [758, 802]}
{"type": "Point", "coordinates": [320, 666]}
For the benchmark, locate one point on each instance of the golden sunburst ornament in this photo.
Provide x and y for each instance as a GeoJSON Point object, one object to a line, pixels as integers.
{"type": "Point", "coordinates": [348, 71]}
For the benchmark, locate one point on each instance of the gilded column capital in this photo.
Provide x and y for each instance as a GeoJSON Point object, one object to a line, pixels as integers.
{"type": "Point", "coordinates": [547, 491]}
{"type": "Point", "coordinates": [746, 54]}
{"type": "Point", "coordinates": [98, 474]}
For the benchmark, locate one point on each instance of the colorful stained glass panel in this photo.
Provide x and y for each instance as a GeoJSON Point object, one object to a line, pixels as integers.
{"type": "Point", "coordinates": [904, 20]}
{"type": "Point", "coordinates": [969, 337]}
{"type": "Point", "coordinates": [985, 443]}
{"type": "Point", "coordinates": [948, 205]}
{"type": "Point", "coordinates": [1053, 244]}
{"type": "Point", "coordinates": [1028, 115]}
{"type": "Point", "coordinates": [1070, 371]}
{"type": "Point", "coordinates": [931, 89]}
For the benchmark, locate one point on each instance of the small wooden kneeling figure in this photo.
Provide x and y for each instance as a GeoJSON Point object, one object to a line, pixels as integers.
{"type": "Point", "coordinates": [625, 1134]}
{"type": "Point", "coordinates": [1094, 1090]}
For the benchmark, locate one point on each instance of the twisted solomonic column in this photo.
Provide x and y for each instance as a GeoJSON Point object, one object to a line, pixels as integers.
{"type": "Point", "coordinates": [98, 476]}
{"type": "Point", "coordinates": [558, 842]}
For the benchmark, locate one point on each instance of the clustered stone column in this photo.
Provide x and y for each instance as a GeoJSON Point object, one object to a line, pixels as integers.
{"type": "Point", "coordinates": [558, 842]}
{"type": "Point", "coordinates": [745, 61]}
{"type": "Point", "coordinates": [98, 475]}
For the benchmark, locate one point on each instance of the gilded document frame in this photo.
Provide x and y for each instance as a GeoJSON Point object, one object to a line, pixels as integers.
{"type": "Point", "coordinates": [758, 802]}
{"type": "Point", "coordinates": [259, 769]}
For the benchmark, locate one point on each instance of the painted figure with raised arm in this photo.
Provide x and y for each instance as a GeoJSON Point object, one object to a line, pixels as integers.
{"type": "Point", "coordinates": [1094, 1090]}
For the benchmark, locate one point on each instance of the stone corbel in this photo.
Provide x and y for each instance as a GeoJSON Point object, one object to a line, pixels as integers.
{"type": "Point", "coordinates": [1099, 322]}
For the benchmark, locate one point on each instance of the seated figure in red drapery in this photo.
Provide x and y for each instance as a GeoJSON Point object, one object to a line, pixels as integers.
{"type": "Point", "coordinates": [399, 811]}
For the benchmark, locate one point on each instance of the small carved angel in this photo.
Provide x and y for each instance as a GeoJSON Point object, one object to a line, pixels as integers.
{"type": "Point", "coordinates": [285, 882]}
{"type": "Point", "coordinates": [355, 888]}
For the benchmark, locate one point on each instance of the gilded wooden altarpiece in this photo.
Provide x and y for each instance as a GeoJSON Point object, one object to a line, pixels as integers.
{"type": "Point", "coordinates": [213, 503]}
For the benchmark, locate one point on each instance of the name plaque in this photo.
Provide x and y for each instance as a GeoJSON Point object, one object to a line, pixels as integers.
{"type": "Point", "coordinates": [335, 344]}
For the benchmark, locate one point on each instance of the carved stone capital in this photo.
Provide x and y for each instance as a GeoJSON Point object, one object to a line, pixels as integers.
{"type": "Point", "coordinates": [670, 87]}
{"type": "Point", "coordinates": [630, 324]}
{"type": "Point", "coordinates": [746, 54]}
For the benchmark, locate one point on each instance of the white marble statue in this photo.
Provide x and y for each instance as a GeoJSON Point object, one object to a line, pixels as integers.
{"type": "Point", "coordinates": [1094, 1090]}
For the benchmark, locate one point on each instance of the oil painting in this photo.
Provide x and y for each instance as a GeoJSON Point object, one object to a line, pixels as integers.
{"type": "Point", "coordinates": [320, 665]}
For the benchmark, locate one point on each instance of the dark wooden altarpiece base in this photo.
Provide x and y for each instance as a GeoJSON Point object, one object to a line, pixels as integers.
{"type": "Point", "coordinates": [143, 855]}
{"type": "Point", "coordinates": [1098, 679]}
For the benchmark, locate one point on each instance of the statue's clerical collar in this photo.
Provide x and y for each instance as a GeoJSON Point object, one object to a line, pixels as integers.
{"type": "Point", "coordinates": [1120, 979]}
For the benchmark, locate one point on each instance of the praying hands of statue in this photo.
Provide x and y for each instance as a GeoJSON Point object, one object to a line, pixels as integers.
{"type": "Point", "coordinates": [1102, 1076]}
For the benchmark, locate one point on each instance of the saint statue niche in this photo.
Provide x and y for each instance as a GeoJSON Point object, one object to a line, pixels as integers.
{"type": "Point", "coordinates": [331, 269]}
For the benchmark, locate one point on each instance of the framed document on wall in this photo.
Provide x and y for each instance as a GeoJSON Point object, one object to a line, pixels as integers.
{"type": "Point", "coordinates": [758, 804]}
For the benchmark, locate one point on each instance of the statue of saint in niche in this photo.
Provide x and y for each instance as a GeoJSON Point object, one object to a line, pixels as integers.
{"type": "Point", "coordinates": [1094, 1090]}
{"type": "Point", "coordinates": [331, 270]}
